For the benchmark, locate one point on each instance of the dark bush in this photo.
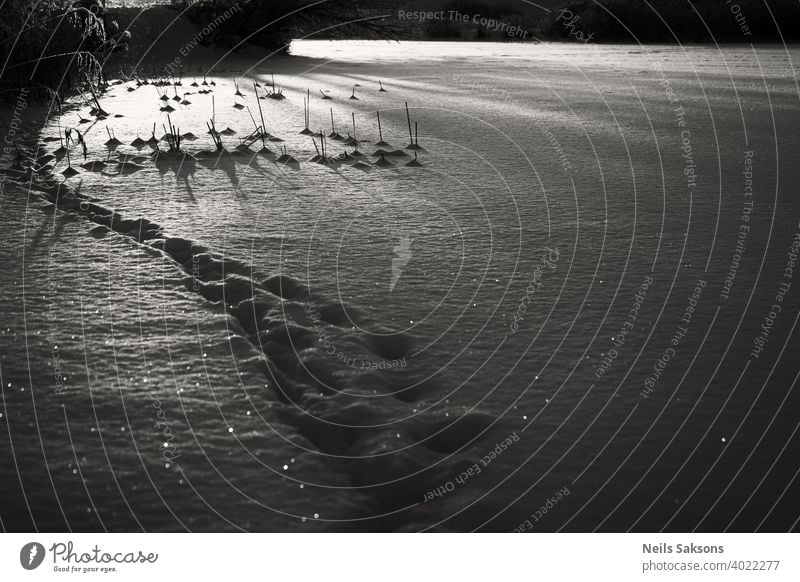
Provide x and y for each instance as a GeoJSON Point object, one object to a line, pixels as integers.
{"type": "Point", "coordinates": [48, 45]}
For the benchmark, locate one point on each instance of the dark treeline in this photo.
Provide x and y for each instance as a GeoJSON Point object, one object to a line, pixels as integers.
{"type": "Point", "coordinates": [615, 21]}
{"type": "Point", "coordinates": [610, 21]}
{"type": "Point", "coordinates": [671, 21]}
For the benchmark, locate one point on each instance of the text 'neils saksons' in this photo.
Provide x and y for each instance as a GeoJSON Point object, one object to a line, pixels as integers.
{"type": "Point", "coordinates": [663, 548]}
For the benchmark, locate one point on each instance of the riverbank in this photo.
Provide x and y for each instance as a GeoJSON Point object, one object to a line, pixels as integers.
{"type": "Point", "coordinates": [91, 151]}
